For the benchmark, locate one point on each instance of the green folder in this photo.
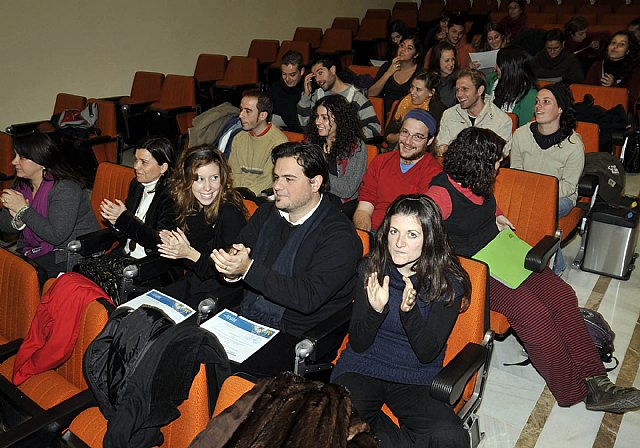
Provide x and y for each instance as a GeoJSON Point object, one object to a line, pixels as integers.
{"type": "Point", "coordinates": [505, 255]}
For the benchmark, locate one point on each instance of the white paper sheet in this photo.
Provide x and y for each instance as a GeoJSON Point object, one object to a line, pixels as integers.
{"type": "Point", "coordinates": [486, 59]}
{"type": "Point", "coordinates": [174, 309]}
{"type": "Point", "coordinates": [239, 336]}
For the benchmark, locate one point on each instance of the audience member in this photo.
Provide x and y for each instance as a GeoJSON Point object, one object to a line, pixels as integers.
{"type": "Point", "coordinates": [620, 66]}
{"type": "Point", "coordinates": [443, 62]}
{"type": "Point", "coordinates": [543, 310]}
{"type": "Point", "coordinates": [285, 93]}
{"type": "Point", "coordinates": [456, 37]}
{"type": "Point", "coordinates": [396, 31]}
{"type": "Point", "coordinates": [48, 204]}
{"type": "Point", "coordinates": [513, 86]}
{"type": "Point", "coordinates": [210, 215]}
{"type": "Point", "coordinates": [438, 31]}
{"type": "Point", "coordinates": [147, 209]}
{"type": "Point", "coordinates": [324, 72]}
{"type": "Point", "coordinates": [422, 95]}
{"type": "Point", "coordinates": [472, 111]}
{"type": "Point", "coordinates": [250, 158]}
{"type": "Point", "coordinates": [515, 23]}
{"type": "Point", "coordinates": [394, 78]}
{"type": "Point", "coordinates": [405, 171]}
{"type": "Point", "coordinates": [408, 297]}
{"type": "Point", "coordinates": [493, 37]}
{"type": "Point", "coordinates": [336, 129]}
{"type": "Point", "coordinates": [556, 63]}
{"type": "Point", "coordinates": [584, 45]}
{"type": "Point", "coordinates": [634, 28]}
{"type": "Point", "coordinates": [550, 145]}
{"type": "Point", "coordinates": [297, 255]}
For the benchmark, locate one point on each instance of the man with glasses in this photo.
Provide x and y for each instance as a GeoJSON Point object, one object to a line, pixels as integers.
{"type": "Point", "coordinates": [408, 170]}
{"type": "Point", "coordinates": [554, 62]}
{"type": "Point", "coordinates": [472, 110]}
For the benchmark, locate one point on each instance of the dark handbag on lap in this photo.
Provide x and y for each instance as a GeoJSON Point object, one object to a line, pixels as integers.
{"type": "Point", "coordinates": [106, 271]}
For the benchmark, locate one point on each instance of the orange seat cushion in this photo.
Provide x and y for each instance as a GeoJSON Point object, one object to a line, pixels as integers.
{"type": "Point", "coordinates": [92, 425]}
{"type": "Point", "coordinates": [499, 323]}
{"type": "Point", "coordinates": [46, 389]}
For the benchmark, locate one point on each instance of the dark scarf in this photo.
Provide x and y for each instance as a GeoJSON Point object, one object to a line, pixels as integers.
{"type": "Point", "coordinates": [616, 69]}
{"type": "Point", "coordinates": [545, 141]}
{"type": "Point", "coordinates": [32, 245]}
{"type": "Point", "coordinates": [254, 306]}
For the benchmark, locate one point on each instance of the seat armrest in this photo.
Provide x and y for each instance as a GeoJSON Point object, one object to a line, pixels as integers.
{"type": "Point", "coordinates": [136, 107]}
{"type": "Point", "coordinates": [100, 140]}
{"type": "Point", "coordinates": [24, 128]}
{"type": "Point", "coordinates": [538, 257]}
{"type": "Point", "coordinates": [329, 334]}
{"type": "Point", "coordinates": [449, 383]}
{"type": "Point", "coordinates": [9, 349]}
{"type": "Point", "coordinates": [173, 111]}
{"type": "Point", "coordinates": [587, 185]}
{"type": "Point", "coordinates": [93, 242]}
{"type": "Point", "coordinates": [113, 99]}
{"type": "Point", "coordinates": [43, 427]}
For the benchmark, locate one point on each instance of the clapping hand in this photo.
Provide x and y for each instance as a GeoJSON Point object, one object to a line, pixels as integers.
{"type": "Point", "coordinates": [175, 245]}
{"type": "Point", "coordinates": [408, 296]}
{"type": "Point", "coordinates": [111, 211]}
{"type": "Point", "coordinates": [232, 263]}
{"type": "Point", "coordinates": [377, 294]}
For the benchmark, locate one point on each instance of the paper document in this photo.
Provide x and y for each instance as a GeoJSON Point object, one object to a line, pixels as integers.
{"type": "Point", "coordinates": [505, 256]}
{"type": "Point", "coordinates": [239, 336]}
{"type": "Point", "coordinates": [486, 59]}
{"type": "Point", "coordinates": [377, 62]}
{"type": "Point", "coordinates": [174, 309]}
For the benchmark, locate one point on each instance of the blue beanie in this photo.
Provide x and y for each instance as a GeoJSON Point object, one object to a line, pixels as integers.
{"type": "Point", "coordinates": [424, 117]}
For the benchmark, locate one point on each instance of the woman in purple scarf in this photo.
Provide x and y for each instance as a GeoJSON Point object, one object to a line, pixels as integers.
{"type": "Point", "coordinates": [48, 203]}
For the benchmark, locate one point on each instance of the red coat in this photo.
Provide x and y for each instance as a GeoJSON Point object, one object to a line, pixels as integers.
{"type": "Point", "coordinates": [55, 326]}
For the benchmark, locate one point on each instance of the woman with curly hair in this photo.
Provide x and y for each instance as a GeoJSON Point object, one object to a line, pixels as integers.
{"type": "Point", "coordinates": [409, 294]}
{"type": "Point", "coordinates": [543, 310]}
{"type": "Point", "coordinates": [337, 130]}
{"type": "Point", "coordinates": [620, 66]}
{"type": "Point", "coordinates": [443, 62]}
{"type": "Point", "coordinates": [513, 86]}
{"type": "Point", "coordinates": [210, 214]}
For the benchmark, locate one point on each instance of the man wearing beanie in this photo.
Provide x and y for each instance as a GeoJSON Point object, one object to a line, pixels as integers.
{"type": "Point", "coordinates": [408, 170]}
{"type": "Point", "coordinates": [551, 146]}
{"type": "Point", "coordinates": [472, 110]}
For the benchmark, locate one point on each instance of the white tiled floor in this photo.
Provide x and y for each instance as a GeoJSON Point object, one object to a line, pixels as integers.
{"type": "Point", "coordinates": [513, 391]}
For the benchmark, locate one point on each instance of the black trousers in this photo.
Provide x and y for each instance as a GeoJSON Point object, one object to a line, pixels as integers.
{"type": "Point", "coordinates": [424, 421]}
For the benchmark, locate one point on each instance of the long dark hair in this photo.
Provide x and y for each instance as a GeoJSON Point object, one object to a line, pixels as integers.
{"type": "Point", "coordinates": [437, 264]}
{"type": "Point", "coordinates": [436, 54]}
{"type": "Point", "coordinates": [41, 149]}
{"type": "Point", "coordinates": [185, 175]}
{"type": "Point", "coordinates": [516, 76]}
{"type": "Point", "coordinates": [348, 128]}
{"type": "Point", "coordinates": [632, 60]}
{"type": "Point", "coordinates": [471, 159]}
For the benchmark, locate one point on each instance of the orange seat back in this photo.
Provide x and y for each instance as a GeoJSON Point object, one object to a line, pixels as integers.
{"type": "Point", "coordinates": [241, 70]}
{"type": "Point", "coordinates": [19, 296]}
{"type": "Point", "coordinates": [378, 14]}
{"type": "Point", "coordinates": [378, 107]}
{"type": "Point", "coordinates": [232, 389]}
{"type": "Point", "coordinates": [264, 50]}
{"type": "Point", "coordinates": [112, 182]}
{"type": "Point", "coordinates": [308, 34]}
{"type": "Point", "coordinates": [294, 136]}
{"type": "Point", "coordinates": [301, 46]}
{"type": "Point", "coordinates": [364, 70]}
{"type": "Point", "coordinates": [177, 91]}
{"type": "Point", "coordinates": [68, 101]}
{"type": "Point", "coordinates": [590, 133]}
{"type": "Point", "coordinates": [146, 86]}
{"type": "Point", "coordinates": [514, 121]}
{"type": "Point", "coordinates": [250, 206]}
{"type": "Point", "coordinates": [346, 23]}
{"type": "Point", "coordinates": [372, 153]}
{"type": "Point", "coordinates": [336, 40]}
{"type": "Point", "coordinates": [365, 237]}
{"type": "Point", "coordinates": [607, 97]}
{"type": "Point", "coordinates": [107, 124]}
{"type": "Point", "coordinates": [6, 156]}
{"type": "Point", "coordinates": [530, 201]}
{"type": "Point", "coordinates": [210, 67]}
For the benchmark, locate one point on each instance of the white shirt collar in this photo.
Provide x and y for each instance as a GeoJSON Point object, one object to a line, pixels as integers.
{"type": "Point", "coordinates": [302, 220]}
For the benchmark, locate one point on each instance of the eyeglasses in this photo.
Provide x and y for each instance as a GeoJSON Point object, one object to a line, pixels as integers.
{"type": "Point", "coordinates": [416, 138]}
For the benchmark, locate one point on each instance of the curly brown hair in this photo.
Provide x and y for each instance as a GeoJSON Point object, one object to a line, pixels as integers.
{"type": "Point", "coordinates": [184, 175]}
{"type": "Point", "coordinates": [471, 159]}
{"type": "Point", "coordinates": [348, 128]}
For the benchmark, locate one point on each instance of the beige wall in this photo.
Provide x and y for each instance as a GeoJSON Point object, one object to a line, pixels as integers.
{"type": "Point", "coordinates": [93, 48]}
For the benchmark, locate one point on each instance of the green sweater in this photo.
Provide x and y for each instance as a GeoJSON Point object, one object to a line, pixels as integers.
{"type": "Point", "coordinates": [523, 108]}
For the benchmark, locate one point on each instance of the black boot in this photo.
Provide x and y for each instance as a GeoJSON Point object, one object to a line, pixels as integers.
{"type": "Point", "coordinates": [603, 395]}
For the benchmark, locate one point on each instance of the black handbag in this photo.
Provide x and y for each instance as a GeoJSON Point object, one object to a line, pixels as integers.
{"type": "Point", "coordinates": [107, 272]}
{"type": "Point", "coordinates": [631, 153]}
